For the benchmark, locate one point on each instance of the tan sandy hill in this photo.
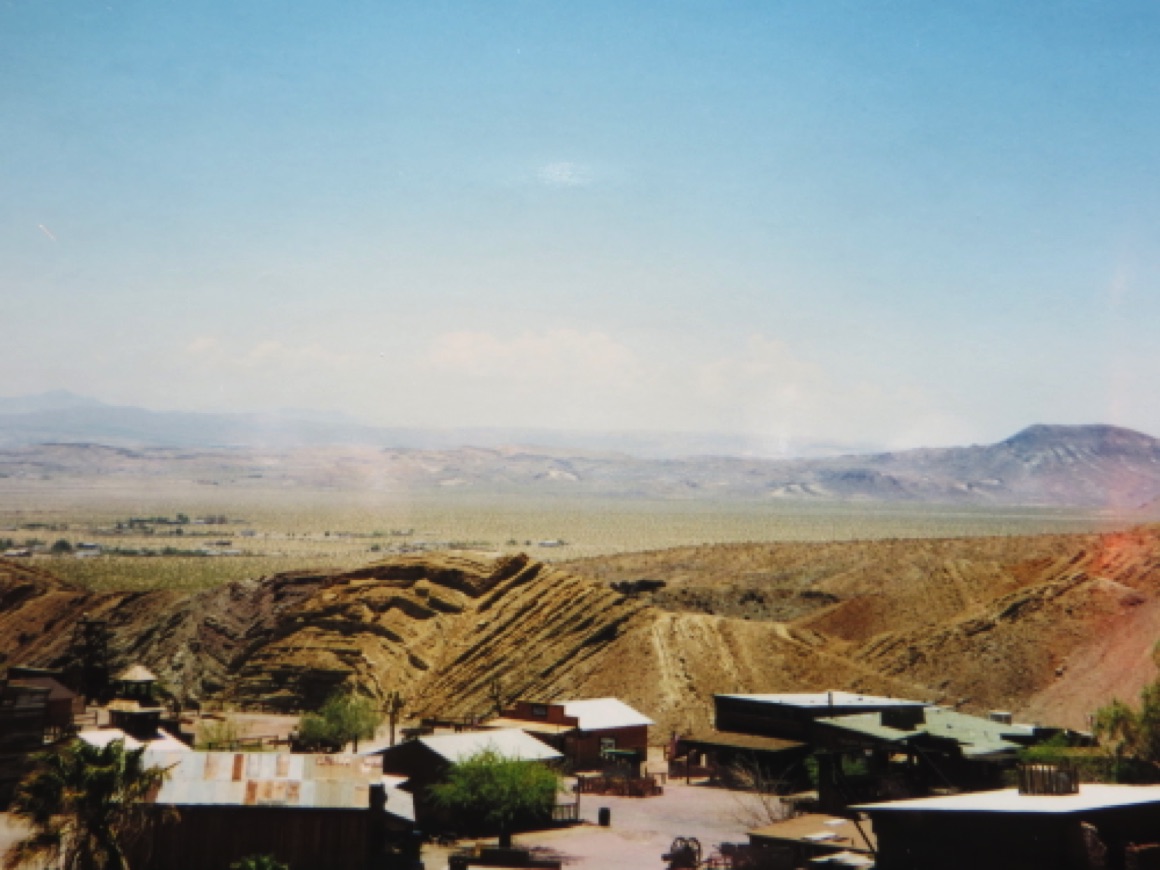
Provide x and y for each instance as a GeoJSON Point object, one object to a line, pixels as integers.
{"type": "Point", "coordinates": [1048, 627]}
{"type": "Point", "coordinates": [440, 629]}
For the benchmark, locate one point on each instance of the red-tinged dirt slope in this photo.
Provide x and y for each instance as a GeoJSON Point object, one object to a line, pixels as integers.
{"type": "Point", "coordinates": [1049, 627]}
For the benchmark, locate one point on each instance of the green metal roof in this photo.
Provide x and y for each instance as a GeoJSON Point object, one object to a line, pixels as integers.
{"type": "Point", "coordinates": [978, 737]}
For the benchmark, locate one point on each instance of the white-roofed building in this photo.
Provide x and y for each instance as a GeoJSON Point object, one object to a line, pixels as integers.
{"type": "Point", "coordinates": [1012, 830]}
{"type": "Point", "coordinates": [414, 765]}
{"type": "Point", "coordinates": [161, 742]}
{"type": "Point", "coordinates": [585, 730]}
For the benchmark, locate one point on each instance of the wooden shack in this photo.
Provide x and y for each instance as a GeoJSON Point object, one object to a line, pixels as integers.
{"type": "Point", "coordinates": [426, 760]}
{"type": "Point", "coordinates": [135, 708]}
{"type": "Point", "coordinates": [585, 731]}
{"type": "Point", "coordinates": [792, 716]}
{"type": "Point", "coordinates": [313, 812]}
{"type": "Point", "coordinates": [1012, 830]}
{"type": "Point", "coordinates": [23, 731]}
{"type": "Point", "coordinates": [63, 704]}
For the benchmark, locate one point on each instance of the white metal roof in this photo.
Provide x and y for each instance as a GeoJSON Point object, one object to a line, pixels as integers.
{"type": "Point", "coordinates": [1091, 796]}
{"type": "Point", "coordinates": [164, 742]}
{"type": "Point", "coordinates": [596, 714]}
{"type": "Point", "coordinates": [508, 742]}
{"type": "Point", "coordinates": [825, 699]}
{"type": "Point", "coordinates": [399, 802]}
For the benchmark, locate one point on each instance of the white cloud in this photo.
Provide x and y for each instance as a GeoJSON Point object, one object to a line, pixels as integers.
{"type": "Point", "coordinates": [269, 354]}
{"type": "Point", "coordinates": [564, 174]}
{"type": "Point", "coordinates": [543, 358]}
{"type": "Point", "coordinates": [767, 387]}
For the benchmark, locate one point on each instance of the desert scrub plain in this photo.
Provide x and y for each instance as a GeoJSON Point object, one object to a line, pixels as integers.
{"type": "Point", "coordinates": [255, 532]}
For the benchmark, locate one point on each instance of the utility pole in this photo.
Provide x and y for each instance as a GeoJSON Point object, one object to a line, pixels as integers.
{"type": "Point", "coordinates": [395, 705]}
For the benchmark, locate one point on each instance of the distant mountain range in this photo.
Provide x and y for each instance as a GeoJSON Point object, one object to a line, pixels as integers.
{"type": "Point", "coordinates": [63, 417]}
{"type": "Point", "coordinates": [1081, 466]}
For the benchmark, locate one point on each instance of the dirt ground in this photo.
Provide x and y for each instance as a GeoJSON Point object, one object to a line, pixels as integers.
{"type": "Point", "coordinates": [641, 829]}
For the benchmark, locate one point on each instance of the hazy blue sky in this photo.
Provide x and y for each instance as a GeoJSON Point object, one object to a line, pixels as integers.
{"type": "Point", "coordinates": [909, 222]}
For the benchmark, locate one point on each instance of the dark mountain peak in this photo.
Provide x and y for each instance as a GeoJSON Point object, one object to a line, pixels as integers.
{"type": "Point", "coordinates": [1097, 438]}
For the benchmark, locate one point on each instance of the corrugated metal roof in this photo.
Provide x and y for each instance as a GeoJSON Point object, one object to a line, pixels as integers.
{"type": "Point", "coordinates": [597, 714]}
{"type": "Point", "coordinates": [508, 742]}
{"type": "Point", "coordinates": [268, 779]}
{"type": "Point", "coordinates": [978, 737]}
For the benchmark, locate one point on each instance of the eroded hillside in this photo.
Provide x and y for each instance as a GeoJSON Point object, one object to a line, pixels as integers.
{"type": "Point", "coordinates": [1049, 627]}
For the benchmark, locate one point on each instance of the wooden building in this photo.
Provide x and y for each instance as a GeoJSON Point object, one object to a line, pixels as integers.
{"type": "Point", "coordinates": [797, 841]}
{"type": "Point", "coordinates": [734, 758]}
{"type": "Point", "coordinates": [1092, 826]}
{"type": "Point", "coordinates": [63, 706]}
{"type": "Point", "coordinates": [23, 731]}
{"type": "Point", "coordinates": [792, 716]}
{"type": "Point", "coordinates": [312, 812]}
{"type": "Point", "coordinates": [911, 752]}
{"type": "Point", "coordinates": [584, 731]}
{"type": "Point", "coordinates": [426, 760]}
{"type": "Point", "coordinates": [135, 708]}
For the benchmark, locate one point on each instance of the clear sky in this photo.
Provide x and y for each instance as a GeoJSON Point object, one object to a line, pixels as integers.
{"type": "Point", "coordinates": [905, 222]}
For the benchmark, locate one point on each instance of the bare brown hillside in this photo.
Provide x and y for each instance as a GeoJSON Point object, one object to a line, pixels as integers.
{"type": "Point", "coordinates": [443, 630]}
{"type": "Point", "coordinates": [1049, 627]}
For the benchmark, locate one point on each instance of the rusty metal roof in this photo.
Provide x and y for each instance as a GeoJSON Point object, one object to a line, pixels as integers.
{"type": "Point", "coordinates": [268, 779]}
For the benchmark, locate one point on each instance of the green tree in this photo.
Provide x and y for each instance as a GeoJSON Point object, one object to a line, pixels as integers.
{"type": "Point", "coordinates": [1132, 736]}
{"type": "Point", "coordinates": [346, 717]}
{"type": "Point", "coordinates": [259, 862]}
{"type": "Point", "coordinates": [499, 790]}
{"type": "Point", "coordinates": [86, 805]}
{"type": "Point", "coordinates": [61, 547]}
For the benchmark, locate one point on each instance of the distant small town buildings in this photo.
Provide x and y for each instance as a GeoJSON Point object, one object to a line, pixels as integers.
{"type": "Point", "coordinates": [584, 731]}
